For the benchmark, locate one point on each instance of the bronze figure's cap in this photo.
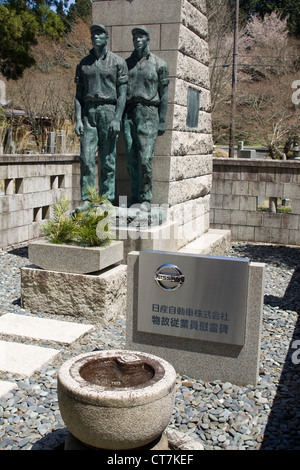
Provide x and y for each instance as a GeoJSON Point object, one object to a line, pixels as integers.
{"type": "Point", "coordinates": [99, 26]}
{"type": "Point", "coordinates": [140, 29]}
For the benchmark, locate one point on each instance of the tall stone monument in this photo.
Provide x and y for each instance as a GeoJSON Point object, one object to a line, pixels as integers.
{"type": "Point", "coordinates": [182, 163]}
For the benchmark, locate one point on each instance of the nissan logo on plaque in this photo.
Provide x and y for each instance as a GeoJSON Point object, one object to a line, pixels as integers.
{"type": "Point", "coordinates": [193, 296]}
{"type": "Point", "coordinates": [169, 277]}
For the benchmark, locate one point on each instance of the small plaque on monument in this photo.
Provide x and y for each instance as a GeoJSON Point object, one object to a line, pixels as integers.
{"type": "Point", "coordinates": [193, 105]}
{"type": "Point", "coordinates": [192, 296]}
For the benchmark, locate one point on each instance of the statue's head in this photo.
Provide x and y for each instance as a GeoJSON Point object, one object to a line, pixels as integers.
{"type": "Point", "coordinates": [140, 37]}
{"type": "Point", "coordinates": [99, 35]}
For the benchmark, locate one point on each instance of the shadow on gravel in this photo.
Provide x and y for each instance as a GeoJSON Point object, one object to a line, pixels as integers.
{"type": "Point", "coordinates": [283, 428]}
{"type": "Point", "coordinates": [52, 441]}
{"type": "Point", "coordinates": [22, 252]}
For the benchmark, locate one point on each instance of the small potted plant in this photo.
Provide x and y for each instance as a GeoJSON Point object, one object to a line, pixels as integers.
{"type": "Point", "coordinates": [80, 242]}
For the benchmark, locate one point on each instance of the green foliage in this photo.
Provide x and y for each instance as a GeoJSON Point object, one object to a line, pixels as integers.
{"type": "Point", "coordinates": [90, 227]}
{"type": "Point", "coordinates": [80, 9]}
{"type": "Point", "coordinates": [2, 116]}
{"type": "Point", "coordinates": [94, 222]}
{"type": "Point", "coordinates": [18, 33]}
{"type": "Point", "coordinates": [20, 24]}
{"type": "Point", "coordinates": [61, 229]}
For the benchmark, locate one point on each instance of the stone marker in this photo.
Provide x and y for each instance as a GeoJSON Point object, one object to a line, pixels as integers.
{"type": "Point", "coordinates": [197, 358]}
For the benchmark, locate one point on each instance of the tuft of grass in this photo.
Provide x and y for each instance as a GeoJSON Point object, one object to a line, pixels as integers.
{"type": "Point", "coordinates": [89, 227]}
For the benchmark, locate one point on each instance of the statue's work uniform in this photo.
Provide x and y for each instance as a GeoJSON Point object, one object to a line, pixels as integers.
{"type": "Point", "coordinates": [147, 78]}
{"type": "Point", "coordinates": [98, 81]}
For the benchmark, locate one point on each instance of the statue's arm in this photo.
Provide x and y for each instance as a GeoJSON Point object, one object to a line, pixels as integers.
{"type": "Point", "coordinates": [78, 111]}
{"type": "Point", "coordinates": [78, 102]}
{"type": "Point", "coordinates": [122, 83]}
{"type": "Point", "coordinates": [115, 125]}
{"type": "Point", "coordinates": [162, 110]}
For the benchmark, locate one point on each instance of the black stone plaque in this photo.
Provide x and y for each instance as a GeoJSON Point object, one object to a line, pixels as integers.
{"type": "Point", "coordinates": [193, 104]}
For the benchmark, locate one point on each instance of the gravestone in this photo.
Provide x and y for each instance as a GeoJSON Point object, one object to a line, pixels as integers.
{"type": "Point", "coordinates": [182, 164]}
{"type": "Point", "coordinates": [61, 143]}
{"type": "Point", "coordinates": [51, 142]}
{"type": "Point", "coordinates": [3, 101]}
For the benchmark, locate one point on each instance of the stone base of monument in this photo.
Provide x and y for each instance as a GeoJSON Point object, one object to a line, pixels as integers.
{"type": "Point", "coordinates": [214, 242]}
{"type": "Point", "coordinates": [162, 237]}
{"type": "Point", "coordinates": [152, 230]}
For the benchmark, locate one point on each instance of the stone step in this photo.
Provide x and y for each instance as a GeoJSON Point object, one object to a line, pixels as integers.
{"type": "Point", "coordinates": [24, 359]}
{"type": "Point", "coordinates": [6, 387]}
{"type": "Point", "coordinates": [42, 328]}
{"type": "Point", "coordinates": [214, 242]}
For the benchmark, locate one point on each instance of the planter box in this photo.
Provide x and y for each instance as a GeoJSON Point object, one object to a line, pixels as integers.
{"type": "Point", "coordinates": [74, 259]}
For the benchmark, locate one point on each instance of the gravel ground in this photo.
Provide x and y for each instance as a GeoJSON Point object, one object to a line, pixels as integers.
{"type": "Point", "coordinates": [221, 415]}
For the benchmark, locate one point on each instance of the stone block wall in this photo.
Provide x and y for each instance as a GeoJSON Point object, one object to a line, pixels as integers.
{"type": "Point", "coordinates": [182, 163]}
{"type": "Point", "coordinates": [239, 185]}
{"type": "Point", "coordinates": [29, 186]}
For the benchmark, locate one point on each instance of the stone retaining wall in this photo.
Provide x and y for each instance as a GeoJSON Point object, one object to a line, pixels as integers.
{"type": "Point", "coordinates": [240, 186]}
{"type": "Point", "coordinates": [29, 186]}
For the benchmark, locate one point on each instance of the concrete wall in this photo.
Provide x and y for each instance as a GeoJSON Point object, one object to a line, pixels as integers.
{"type": "Point", "coordinates": [238, 187]}
{"type": "Point", "coordinates": [29, 186]}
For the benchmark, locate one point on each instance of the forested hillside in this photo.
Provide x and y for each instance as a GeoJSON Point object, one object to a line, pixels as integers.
{"type": "Point", "coordinates": [42, 40]}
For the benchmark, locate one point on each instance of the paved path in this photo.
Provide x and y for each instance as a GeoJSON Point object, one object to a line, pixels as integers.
{"type": "Point", "coordinates": [24, 359]}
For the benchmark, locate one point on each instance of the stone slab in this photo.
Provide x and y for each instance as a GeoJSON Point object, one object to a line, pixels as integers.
{"type": "Point", "coordinates": [74, 259]}
{"type": "Point", "coordinates": [42, 328]}
{"type": "Point", "coordinates": [6, 387]}
{"type": "Point", "coordinates": [24, 359]}
{"type": "Point", "coordinates": [203, 360]}
{"type": "Point", "coordinates": [160, 237]}
{"type": "Point", "coordinates": [97, 297]}
{"type": "Point", "coordinates": [213, 242]}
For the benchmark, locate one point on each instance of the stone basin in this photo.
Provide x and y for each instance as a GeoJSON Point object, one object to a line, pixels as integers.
{"type": "Point", "coordinates": [116, 399]}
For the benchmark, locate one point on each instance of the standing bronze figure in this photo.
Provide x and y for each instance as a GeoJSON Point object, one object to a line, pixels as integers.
{"type": "Point", "coordinates": [145, 112]}
{"type": "Point", "coordinates": [101, 85]}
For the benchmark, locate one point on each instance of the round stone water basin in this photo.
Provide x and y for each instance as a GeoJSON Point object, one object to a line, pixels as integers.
{"type": "Point", "coordinates": [124, 371]}
{"type": "Point", "coordinates": [116, 399]}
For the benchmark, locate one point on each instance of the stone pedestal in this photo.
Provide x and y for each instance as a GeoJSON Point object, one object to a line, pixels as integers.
{"type": "Point", "coordinates": [182, 164]}
{"type": "Point", "coordinates": [159, 237]}
{"type": "Point", "coordinates": [75, 281]}
{"type": "Point", "coordinates": [96, 297]}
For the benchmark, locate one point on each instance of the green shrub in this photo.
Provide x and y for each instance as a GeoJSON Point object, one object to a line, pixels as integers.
{"type": "Point", "coordinates": [89, 227]}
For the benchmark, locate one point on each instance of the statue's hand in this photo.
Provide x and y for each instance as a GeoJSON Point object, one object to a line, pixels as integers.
{"type": "Point", "coordinates": [114, 128]}
{"type": "Point", "coordinates": [79, 128]}
{"type": "Point", "coordinates": [161, 128]}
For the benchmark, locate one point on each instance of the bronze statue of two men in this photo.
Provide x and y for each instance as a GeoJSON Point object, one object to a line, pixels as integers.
{"type": "Point", "coordinates": [109, 90]}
